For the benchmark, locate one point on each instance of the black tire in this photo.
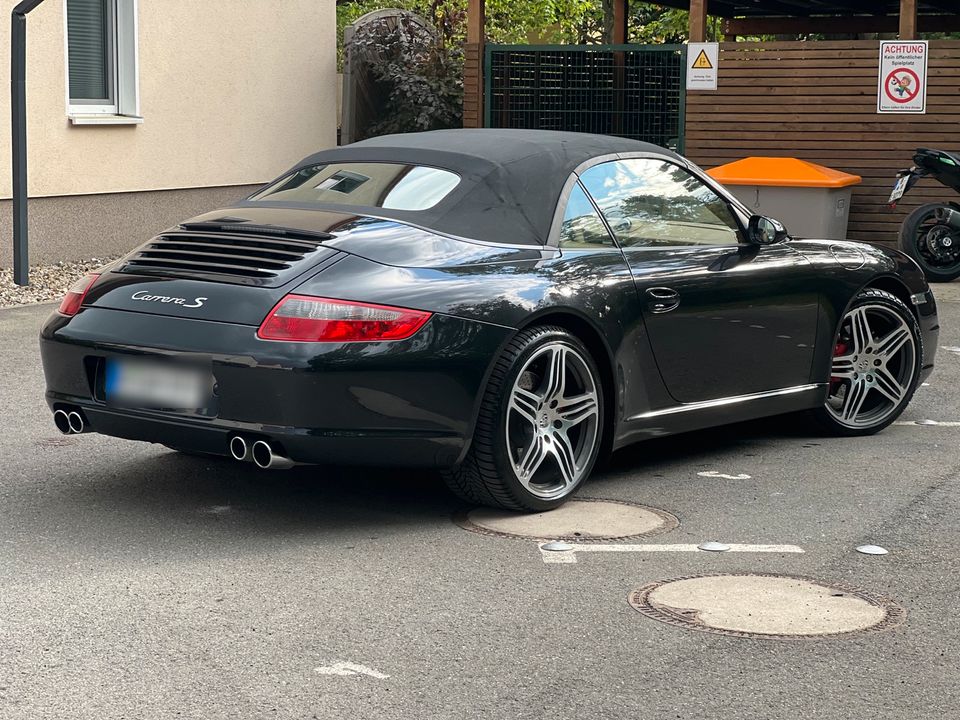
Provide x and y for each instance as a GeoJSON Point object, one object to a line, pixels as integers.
{"type": "Point", "coordinates": [872, 297]}
{"type": "Point", "coordinates": [487, 476]}
{"type": "Point", "coordinates": [913, 233]}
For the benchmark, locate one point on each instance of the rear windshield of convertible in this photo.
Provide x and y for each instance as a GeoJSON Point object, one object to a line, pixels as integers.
{"type": "Point", "coordinates": [392, 186]}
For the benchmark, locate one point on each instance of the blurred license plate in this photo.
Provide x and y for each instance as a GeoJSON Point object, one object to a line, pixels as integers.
{"type": "Point", "coordinates": [899, 189]}
{"type": "Point", "coordinates": [136, 383]}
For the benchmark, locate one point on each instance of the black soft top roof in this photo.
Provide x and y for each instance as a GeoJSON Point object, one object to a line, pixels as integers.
{"type": "Point", "coordinates": [510, 179]}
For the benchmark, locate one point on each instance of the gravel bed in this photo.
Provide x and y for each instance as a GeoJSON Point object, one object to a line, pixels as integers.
{"type": "Point", "coordinates": [48, 283]}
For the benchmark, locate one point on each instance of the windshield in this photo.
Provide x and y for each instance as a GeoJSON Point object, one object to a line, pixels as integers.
{"type": "Point", "coordinates": [386, 185]}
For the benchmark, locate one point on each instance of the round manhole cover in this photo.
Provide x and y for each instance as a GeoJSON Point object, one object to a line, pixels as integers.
{"type": "Point", "coordinates": [758, 605]}
{"type": "Point", "coordinates": [582, 520]}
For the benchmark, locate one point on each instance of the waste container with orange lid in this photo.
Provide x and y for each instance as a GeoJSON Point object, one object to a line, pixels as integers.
{"type": "Point", "coordinates": [813, 201]}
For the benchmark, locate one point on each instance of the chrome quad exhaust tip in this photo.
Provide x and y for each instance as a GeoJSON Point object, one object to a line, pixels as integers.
{"type": "Point", "coordinates": [268, 457]}
{"type": "Point", "coordinates": [240, 449]}
{"type": "Point", "coordinates": [69, 422]}
{"type": "Point", "coordinates": [77, 423]}
{"type": "Point", "coordinates": [62, 420]}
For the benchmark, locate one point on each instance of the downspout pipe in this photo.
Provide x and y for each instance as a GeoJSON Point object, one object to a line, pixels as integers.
{"type": "Point", "coordinates": [18, 123]}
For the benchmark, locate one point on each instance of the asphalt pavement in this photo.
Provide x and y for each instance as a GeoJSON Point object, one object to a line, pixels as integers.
{"type": "Point", "coordinates": [139, 583]}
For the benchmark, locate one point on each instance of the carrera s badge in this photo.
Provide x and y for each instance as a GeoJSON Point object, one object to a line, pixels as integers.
{"type": "Point", "coordinates": [144, 296]}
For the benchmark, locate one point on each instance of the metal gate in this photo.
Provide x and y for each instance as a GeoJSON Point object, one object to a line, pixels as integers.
{"type": "Point", "coordinates": [634, 91]}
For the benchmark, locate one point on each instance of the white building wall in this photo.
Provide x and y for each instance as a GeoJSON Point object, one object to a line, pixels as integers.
{"type": "Point", "coordinates": [232, 93]}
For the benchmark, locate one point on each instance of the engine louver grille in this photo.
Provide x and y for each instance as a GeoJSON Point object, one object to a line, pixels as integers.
{"type": "Point", "coordinates": [256, 256]}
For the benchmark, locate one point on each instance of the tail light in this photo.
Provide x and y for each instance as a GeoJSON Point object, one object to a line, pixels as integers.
{"type": "Point", "coordinates": [70, 305]}
{"type": "Point", "coordinates": [300, 318]}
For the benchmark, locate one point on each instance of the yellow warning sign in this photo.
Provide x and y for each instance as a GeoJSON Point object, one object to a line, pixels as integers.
{"type": "Point", "coordinates": [702, 62]}
{"type": "Point", "coordinates": [703, 59]}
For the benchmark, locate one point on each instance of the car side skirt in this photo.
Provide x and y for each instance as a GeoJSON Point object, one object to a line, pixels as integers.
{"type": "Point", "coordinates": [721, 411]}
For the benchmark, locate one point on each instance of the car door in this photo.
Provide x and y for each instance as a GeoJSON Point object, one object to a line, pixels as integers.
{"type": "Point", "coordinates": [724, 318]}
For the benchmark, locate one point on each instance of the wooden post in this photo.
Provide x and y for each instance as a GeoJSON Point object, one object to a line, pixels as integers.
{"type": "Point", "coordinates": [698, 20]}
{"type": "Point", "coordinates": [620, 12]}
{"type": "Point", "coordinates": [476, 21]}
{"type": "Point", "coordinates": [908, 19]}
{"type": "Point", "coordinates": [473, 83]}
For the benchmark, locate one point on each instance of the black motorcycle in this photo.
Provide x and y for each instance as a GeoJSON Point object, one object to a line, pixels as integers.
{"type": "Point", "coordinates": [931, 233]}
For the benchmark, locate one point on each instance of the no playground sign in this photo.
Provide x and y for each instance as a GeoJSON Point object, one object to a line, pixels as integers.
{"type": "Point", "coordinates": [903, 77]}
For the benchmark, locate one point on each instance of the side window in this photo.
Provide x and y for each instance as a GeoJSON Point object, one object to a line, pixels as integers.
{"type": "Point", "coordinates": [582, 227]}
{"type": "Point", "coordinates": [650, 202]}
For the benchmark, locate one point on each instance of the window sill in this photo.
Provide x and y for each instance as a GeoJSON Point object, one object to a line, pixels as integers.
{"type": "Point", "coordinates": [76, 119]}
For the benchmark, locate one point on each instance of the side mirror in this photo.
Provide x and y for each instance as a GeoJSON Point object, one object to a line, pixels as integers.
{"type": "Point", "coordinates": [765, 231]}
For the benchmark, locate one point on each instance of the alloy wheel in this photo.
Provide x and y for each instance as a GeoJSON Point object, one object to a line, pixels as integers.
{"type": "Point", "coordinates": [553, 420]}
{"type": "Point", "coordinates": [874, 365]}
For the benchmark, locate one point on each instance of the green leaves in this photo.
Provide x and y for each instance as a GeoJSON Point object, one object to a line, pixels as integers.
{"type": "Point", "coordinates": [559, 22]}
{"type": "Point", "coordinates": [418, 75]}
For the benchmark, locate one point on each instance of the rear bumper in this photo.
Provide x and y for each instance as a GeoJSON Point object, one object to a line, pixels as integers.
{"type": "Point", "coordinates": [405, 403]}
{"type": "Point", "coordinates": [305, 445]}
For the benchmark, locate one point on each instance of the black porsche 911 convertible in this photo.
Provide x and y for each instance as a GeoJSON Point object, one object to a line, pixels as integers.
{"type": "Point", "coordinates": [506, 306]}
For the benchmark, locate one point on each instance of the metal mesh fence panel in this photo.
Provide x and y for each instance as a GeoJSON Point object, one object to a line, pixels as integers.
{"type": "Point", "coordinates": [629, 91]}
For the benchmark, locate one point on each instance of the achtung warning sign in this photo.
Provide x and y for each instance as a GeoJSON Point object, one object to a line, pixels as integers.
{"type": "Point", "coordinates": [902, 80]}
{"type": "Point", "coordinates": [702, 62]}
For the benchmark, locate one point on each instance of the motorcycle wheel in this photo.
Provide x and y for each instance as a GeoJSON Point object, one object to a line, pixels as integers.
{"type": "Point", "coordinates": [935, 247]}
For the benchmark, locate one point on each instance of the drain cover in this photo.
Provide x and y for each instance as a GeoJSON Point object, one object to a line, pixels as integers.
{"type": "Point", "coordinates": [772, 606]}
{"type": "Point", "coordinates": [582, 520]}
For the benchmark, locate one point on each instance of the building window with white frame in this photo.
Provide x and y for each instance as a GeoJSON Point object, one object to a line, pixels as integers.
{"type": "Point", "coordinates": [102, 74]}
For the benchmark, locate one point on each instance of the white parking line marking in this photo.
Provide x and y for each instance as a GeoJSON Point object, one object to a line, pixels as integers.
{"type": "Point", "coordinates": [933, 423]}
{"type": "Point", "coordinates": [724, 476]}
{"type": "Point", "coordinates": [570, 556]}
{"type": "Point", "coordinates": [950, 348]}
{"type": "Point", "coordinates": [349, 668]}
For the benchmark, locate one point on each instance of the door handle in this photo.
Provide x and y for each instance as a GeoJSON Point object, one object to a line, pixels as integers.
{"type": "Point", "coordinates": [662, 299]}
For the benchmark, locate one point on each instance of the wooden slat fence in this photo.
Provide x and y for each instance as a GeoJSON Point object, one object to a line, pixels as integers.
{"type": "Point", "coordinates": [817, 101]}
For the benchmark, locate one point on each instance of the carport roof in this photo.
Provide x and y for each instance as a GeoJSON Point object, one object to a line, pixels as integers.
{"type": "Point", "coordinates": [808, 8]}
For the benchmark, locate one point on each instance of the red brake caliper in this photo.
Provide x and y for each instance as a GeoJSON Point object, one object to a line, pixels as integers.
{"type": "Point", "coordinates": [840, 349]}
